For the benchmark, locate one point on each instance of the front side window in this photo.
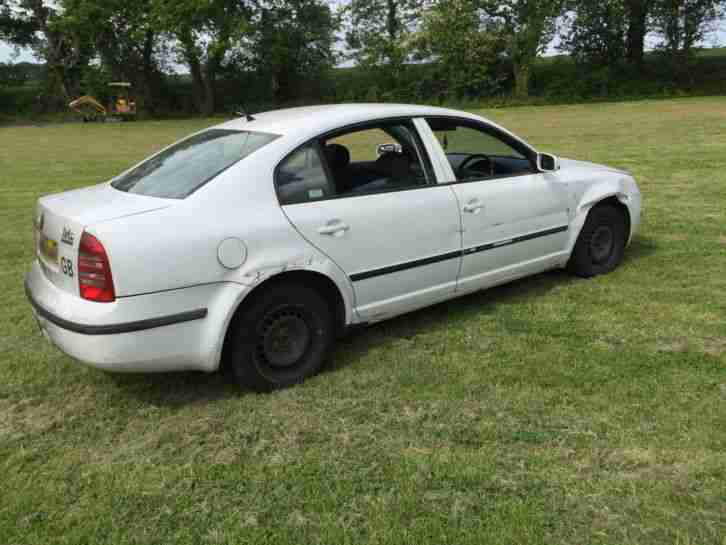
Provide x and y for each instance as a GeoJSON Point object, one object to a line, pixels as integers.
{"type": "Point", "coordinates": [177, 172]}
{"type": "Point", "coordinates": [479, 154]}
{"type": "Point", "coordinates": [377, 158]}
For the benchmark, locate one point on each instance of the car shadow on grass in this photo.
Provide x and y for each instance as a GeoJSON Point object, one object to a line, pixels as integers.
{"type": "Point", "coordinates": [467, 307]}
{"type": "Point", "coordinates": [185, 388]}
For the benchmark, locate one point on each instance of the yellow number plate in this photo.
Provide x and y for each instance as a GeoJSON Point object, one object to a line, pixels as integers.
{"type": "Point", "coordinates": [49, 248]}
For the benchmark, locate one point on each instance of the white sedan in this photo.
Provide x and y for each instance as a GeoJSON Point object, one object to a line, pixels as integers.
{"type": "Point", "coordinates": [256, 243]}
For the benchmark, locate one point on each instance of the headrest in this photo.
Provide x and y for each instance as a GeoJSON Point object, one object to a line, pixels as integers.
{"type": "Point", "coordinates": [394, 165]}
{"type": "Point", "coordinates": [337, 156]}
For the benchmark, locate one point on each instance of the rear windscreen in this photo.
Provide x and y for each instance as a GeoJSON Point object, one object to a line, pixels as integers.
{"type": "Point", "coordinates": [178, 171]}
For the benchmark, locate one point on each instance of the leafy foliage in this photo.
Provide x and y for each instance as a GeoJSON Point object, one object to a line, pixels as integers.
{"type": "Point", "coordinates": [378, 34]}
{"type": "Point", "coordinates": [205, 56]}
{"type": "Point", "coordinates": [291, 41]}
{"type": "Point", "coordinates": [464, 45]}
{"type": "Point", "coordinates": [526, 26]}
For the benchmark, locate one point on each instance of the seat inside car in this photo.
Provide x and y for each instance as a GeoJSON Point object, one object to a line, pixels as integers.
{"type": "Point", "coordinates": [394, 165]}
{"type": "Point", "coordinates": [338, 158]}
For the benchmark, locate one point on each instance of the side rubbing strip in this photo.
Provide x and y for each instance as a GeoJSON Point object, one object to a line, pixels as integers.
{"type": "Point", "coordinates": [113, 329]}
{"type": "Point", "coordinates": [405, 266]}
{"type": "Point", "coordinates": [453, 255]}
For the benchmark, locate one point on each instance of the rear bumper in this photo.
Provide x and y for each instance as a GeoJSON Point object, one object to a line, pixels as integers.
{"type": "Point", "coordinates": [167, 331]}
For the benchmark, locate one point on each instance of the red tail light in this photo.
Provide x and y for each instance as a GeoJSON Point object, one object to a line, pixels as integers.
{"type": "Point", "coordinates": [94, 271]}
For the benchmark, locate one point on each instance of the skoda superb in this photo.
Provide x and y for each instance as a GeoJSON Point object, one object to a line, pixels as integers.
{"type": "Point", "coordinates": [256, 243]}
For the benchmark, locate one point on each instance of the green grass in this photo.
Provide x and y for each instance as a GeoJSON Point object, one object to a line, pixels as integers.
{"type": "Point", "coordinates": [553, 410]}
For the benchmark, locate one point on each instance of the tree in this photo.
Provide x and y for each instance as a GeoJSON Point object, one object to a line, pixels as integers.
{"type": "Point", "coordinates": [682, 24]}
{"type": "Point", "coordinates": [379, 31]}
{"type": "Point", "coordinates": [206, 31]}
{"type": "Point", "coordinates": [527, 28]}
{"type": "Point", "coordinates": [125, 38]}
{"type": "Point", "coordinates": [291, 40]}
{"type": "Point", "coordinates": [464, 45]}
{"type": "Point", "coordinates": [596, 32]}
{"type": "Point", "coordinates": [637, 13]}
{"type": "Point", "coordinates": [14, 27]}
{"type": "Point", "coordinates": [61, 42]}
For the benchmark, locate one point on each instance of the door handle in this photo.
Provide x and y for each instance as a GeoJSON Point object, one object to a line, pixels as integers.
{"type": "Point", "coordinates": [334, 228]}
{"type": "Point", "coordinates": [474, 206]}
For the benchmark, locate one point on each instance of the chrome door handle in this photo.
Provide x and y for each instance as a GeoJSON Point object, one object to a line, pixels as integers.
{"type": "Point", "coordinates": [474, 206]}
{"type": "Point", "coordinates": [334, 228]}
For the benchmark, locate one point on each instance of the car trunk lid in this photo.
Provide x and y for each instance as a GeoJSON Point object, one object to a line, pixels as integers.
{"type": "Point", "coordinates": [62, 218]}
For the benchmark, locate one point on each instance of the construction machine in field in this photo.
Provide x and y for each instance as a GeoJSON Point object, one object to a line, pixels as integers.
{"type": "Point", "coordinates": [121, 105]}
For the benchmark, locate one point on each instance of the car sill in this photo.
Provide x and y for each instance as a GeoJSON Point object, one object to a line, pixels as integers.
{"type": "Point", "coordinates": [114, 329]}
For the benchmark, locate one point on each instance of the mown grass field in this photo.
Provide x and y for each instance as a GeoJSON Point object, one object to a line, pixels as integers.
{"type": "Point", "coordinates": [553, 410]}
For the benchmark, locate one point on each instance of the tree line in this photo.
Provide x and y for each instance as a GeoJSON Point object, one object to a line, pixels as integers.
{"type": "Point", "coordinates": [283, 51]}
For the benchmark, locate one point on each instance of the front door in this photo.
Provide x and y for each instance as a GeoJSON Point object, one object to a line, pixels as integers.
{"type": "Point", "coordinates": [514, 218]}
{"type": "Point", "coordinates": [381, 218]}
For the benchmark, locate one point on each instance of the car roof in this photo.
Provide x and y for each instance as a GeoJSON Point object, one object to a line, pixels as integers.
{"type": "Point", "coordinates": [314, 120]}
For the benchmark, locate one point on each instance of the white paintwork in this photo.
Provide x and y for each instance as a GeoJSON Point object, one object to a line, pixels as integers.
{"type": "Point", "coordinates": [172, 256]}
{"type": "Point", "coordinates": [232, 253]}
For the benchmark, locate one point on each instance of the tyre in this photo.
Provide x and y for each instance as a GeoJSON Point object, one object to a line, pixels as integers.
{"type": "Point", "coordinates": [601, 244]}
{"type": "Point", "coordinates": [283, 337]}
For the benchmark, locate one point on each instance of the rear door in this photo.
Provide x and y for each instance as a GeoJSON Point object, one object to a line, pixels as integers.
{"type": "Point", "coordinates": [381, 218]}
{"type": "Point", "coordinates": [514, 218]}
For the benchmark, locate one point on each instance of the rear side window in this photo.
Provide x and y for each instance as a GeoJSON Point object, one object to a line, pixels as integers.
{"type": "Point", "coordinates": [301, 177]}
{"type": "Point", "coordinates": [374, 158]}
{"type": "Point", "coordinates": [180, 170]}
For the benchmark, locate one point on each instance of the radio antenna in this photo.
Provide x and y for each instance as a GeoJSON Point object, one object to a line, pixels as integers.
{"type": "Point", "coordinates": [243, 113]}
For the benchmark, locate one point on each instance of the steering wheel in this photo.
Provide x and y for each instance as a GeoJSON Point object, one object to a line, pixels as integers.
{"type": "Point", "coordinates": [477, 157]}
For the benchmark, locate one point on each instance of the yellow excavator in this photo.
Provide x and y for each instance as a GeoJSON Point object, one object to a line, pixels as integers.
{"type": "Point", "coordinates": [121, 106]}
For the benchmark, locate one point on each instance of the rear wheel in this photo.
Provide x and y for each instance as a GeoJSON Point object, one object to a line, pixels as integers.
{"type": "Point", "coordinates": [283, 337]}
{"type": "Point", "coordinates": [601, 244]}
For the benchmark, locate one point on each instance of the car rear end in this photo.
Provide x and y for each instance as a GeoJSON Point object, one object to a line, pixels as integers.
{"type": "Point", "coordinates": [77, 301]}
{"type": "Point", "coordinates": [127, 275]}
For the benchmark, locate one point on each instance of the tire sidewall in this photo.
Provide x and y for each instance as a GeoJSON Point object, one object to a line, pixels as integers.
{"type": "Point", "coordinates": [582, 262]}
{"type": "Point", "coordinates": [244, 363]}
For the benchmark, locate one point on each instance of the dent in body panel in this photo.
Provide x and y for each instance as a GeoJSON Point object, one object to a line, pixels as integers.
{"type": "Point", "coordinates": [588, 191]}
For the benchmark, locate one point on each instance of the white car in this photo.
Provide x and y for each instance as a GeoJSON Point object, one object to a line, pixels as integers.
{"type": "Point", "coordinates": [254, 244]}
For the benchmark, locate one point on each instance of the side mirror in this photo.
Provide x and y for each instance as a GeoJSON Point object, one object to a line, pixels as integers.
{"type": "Point", "coordinates": [388, 148]}
{"type": "Point", "coordinates": [547, 163]}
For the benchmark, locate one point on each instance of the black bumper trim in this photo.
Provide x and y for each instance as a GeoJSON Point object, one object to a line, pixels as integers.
{"type": "Point", "coordinates": [114, 329]}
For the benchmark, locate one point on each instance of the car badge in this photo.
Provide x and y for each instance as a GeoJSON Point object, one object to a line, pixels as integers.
{"type": "Point", "coordinates": [67, 236]}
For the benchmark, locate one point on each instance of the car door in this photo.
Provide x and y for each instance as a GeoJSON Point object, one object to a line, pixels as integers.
{"type": "Point", "coordinates": [514, 218]}
{"type": "Point", "coordinates": [382, 219]}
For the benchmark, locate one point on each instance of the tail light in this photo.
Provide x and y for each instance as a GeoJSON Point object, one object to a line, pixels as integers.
{"type": "Point", "coordinates": [94, 271]}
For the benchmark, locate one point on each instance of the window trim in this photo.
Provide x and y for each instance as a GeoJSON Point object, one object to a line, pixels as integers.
{"type": "Point", "coordinates": [429, 171]}
{"type": "Point", "coordinates": [515, 142]}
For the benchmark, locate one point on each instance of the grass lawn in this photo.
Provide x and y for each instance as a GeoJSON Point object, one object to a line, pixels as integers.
{"type": "Point", "coordinates": [552, 410]}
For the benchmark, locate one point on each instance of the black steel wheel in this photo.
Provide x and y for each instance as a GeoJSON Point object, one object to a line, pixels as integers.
{"type": "Point", "coordinates": [601, 244]}
{"type": "Point", "coordinates": [282, 336]}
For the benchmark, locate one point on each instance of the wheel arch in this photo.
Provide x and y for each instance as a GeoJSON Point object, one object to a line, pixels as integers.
{"type": "Point", "coordinates": [611, 193]}
{"type": "Point", "coordinates": [322, 283]}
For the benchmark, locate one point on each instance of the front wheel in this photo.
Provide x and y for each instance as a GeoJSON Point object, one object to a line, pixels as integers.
{"type": "Point", "coordinates": [601, 244]}
{"type": "Point", "coordinates": [282, 338]}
